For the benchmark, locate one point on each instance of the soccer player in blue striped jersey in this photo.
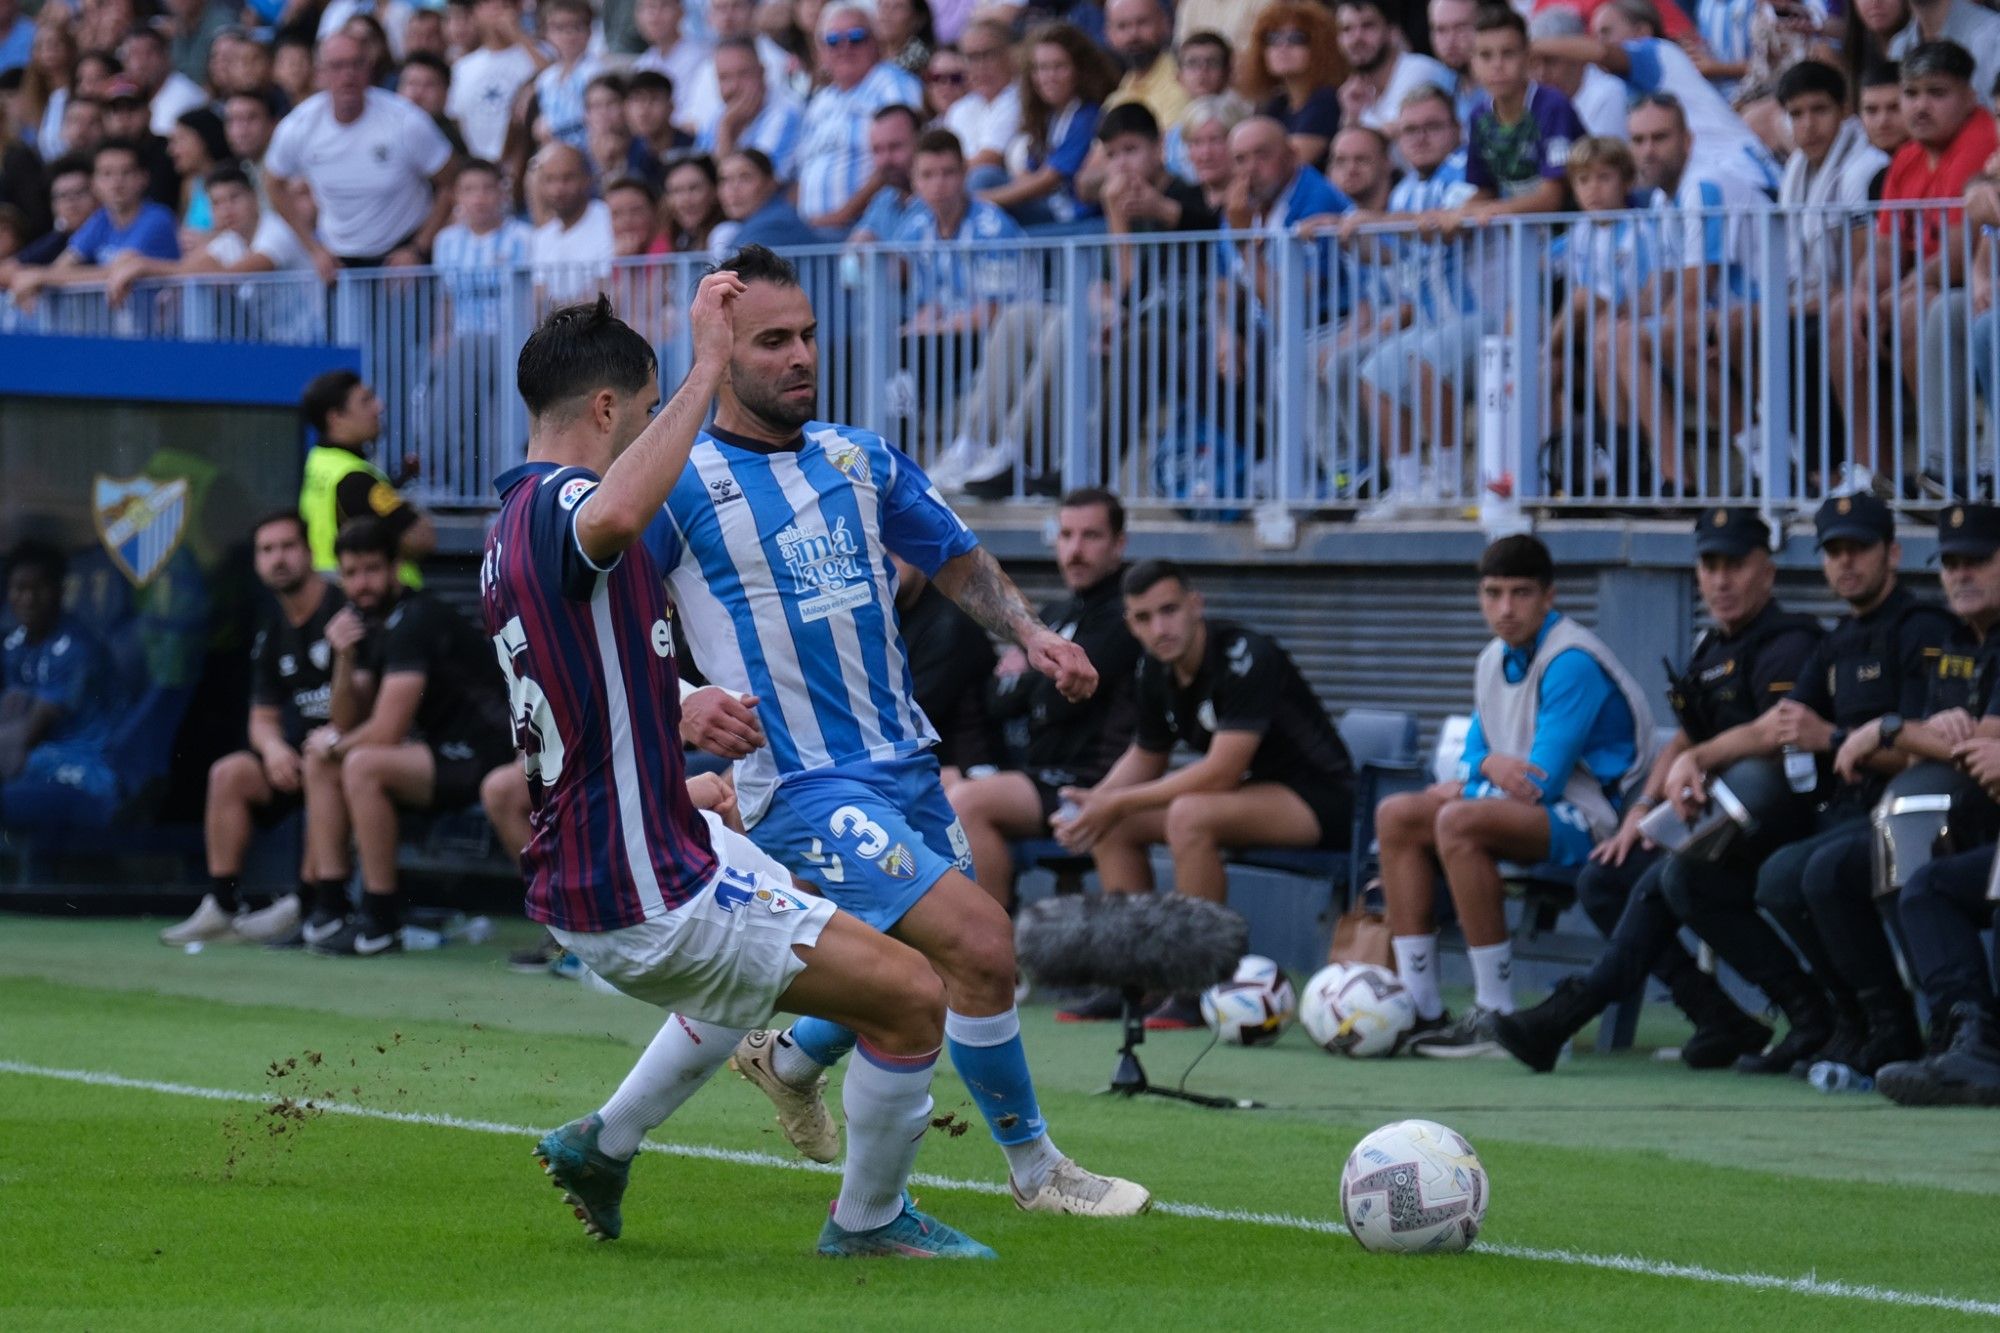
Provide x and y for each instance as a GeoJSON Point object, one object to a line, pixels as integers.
{"type": "Point", "coordinates": [619, 866]}
{"type": "Point", "coordinates": [776, 544]}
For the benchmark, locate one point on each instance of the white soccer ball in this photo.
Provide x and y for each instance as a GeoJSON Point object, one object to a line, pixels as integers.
{"type": "Point", "coordinates": [1256, 967]}
{"type": "Point", "coordinates": [1414, 1187]}
{"type": "Point", "coordinates": [1356, 1009]}
{"type": "Point", "coordinates": [1248, 1013]}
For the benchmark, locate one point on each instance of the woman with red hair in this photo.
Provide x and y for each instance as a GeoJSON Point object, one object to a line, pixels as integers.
{"type": "Point", "coordinates": [1292, 73]}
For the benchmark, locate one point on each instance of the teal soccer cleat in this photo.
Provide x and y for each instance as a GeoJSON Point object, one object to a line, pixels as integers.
{"type": "Point", "coordinates": [592, 1183]}
{"type": "Point", "coordinates": [910, 1235]}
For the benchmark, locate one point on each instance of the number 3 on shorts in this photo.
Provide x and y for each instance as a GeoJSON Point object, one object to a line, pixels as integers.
{"type": "Point", "coordinates": [870, 838]}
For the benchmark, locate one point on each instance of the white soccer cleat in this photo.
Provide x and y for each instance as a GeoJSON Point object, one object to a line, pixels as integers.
{"type": "Point", "coordinates": [802, 1113]}
{"type": "Point", "coordinates": [265, 924]}
{"type": "Point", "coordinates": [1080, 1193]}
{"type": "Point", "coordinates": [209, 924]}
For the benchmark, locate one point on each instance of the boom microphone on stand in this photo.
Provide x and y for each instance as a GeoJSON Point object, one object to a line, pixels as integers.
{"type": "Point", "coordinates": [1133, 943]}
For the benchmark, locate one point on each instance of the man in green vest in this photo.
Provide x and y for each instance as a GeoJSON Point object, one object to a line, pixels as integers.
{"type": "Point", "coordinates": [340, 483]}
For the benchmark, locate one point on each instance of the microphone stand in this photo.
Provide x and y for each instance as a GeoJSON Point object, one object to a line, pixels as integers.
{"type": "Point", "coordinates": [1130, 1080]}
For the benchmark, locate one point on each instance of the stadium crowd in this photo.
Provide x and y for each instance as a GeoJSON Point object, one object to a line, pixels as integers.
{"type": "Point", "coordinates": [485, 137]}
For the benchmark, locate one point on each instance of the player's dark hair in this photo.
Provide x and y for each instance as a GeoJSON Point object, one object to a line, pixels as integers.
{"type": "Point", "coordinates": [650, 81]}
{"type": "Point", "coordinates": [756, 263]}
{"type": "Point", "coordinates": [39, 555]}
{"type": "Point", "coordinates": [1943, 56]}
{"type": "Point", "coordinates": [118, 146]}
{"type": "Point", "coordinates": [578, 350]}
{"type": "Point", "coordinates": [895, 109]}
{"type": "Point", "coordinates": [941, 141]}
{"type": "Point", "coordinates": [1114, 508]}
{"type": "Point", "coordinates": [432, 61]}
{"type": "Point", "coordinates": [326, 395]}
{"type": "Point", "coordinates": [1518, 557]}
{"type": "Point", "coordinates": [1499, 18]}
{"type": "Point", "coordinates": [291, 516]}
{"type": "Point", "coordinates": [365, 536]}
{"type": "Point", "coordinates": [229, 173]}
{"type": "Point", "coordinates": [1812, 76]}
{"type": "Point", "coordinates": [1129, 118]}
{"type": "Point", "coordinates": [1147, 574]}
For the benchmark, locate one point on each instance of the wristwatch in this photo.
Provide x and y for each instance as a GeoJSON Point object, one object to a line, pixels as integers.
{"type": "Point", "coordinates": [1887, 728]}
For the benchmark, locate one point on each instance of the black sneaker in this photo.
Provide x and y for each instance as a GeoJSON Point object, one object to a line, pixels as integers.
{"type": "Point", "coordinates": [1107, 1006]}
{"type": "Point", "coordinates": [1420, 1030]}
{"type": "Point", "coordinates": [536, 960]}
{"type": "Point", "coordinates": [1471, 1036]}
{"type": "Point", "coordinates": [355, 941]}
{"type": "Point", "coordinates": [1719, 1045]}
{"type": "Point", "coordinates": [1177, 1014]}
{"type": "Point", "coordinates": [1966, 1074]}
{"type": "Point", "coordinates": [1537, 1036]}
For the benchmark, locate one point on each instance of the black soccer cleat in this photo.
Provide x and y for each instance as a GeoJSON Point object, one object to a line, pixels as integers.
{"type": "Point", "coordinates": [1536, 1036]}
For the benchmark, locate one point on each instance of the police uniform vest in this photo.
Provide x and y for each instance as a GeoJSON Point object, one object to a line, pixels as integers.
{"type": "Point", "coordinates": [326, 467]}
{"type": "Point", "coordinates": [1718, 689]}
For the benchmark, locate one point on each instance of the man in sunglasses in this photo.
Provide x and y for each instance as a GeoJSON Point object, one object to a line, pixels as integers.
{"type": "Point", "coordinates": [834, 163]}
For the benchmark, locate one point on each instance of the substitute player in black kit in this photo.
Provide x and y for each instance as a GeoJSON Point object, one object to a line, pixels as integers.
{"type": "Point", "coordinates": [418, 719]}
{"type": "Point", "coordinates": [291, 675]}
{"type": "Point", "coordinates": [1273, 771]}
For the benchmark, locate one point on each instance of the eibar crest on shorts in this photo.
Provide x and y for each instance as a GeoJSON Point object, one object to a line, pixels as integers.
{"type": "Point", "coordinates": [899, 864]}
{"type": "Point", "coordinates": [141, 521]}
{"type": "Point", "coordinates": [778, 901]}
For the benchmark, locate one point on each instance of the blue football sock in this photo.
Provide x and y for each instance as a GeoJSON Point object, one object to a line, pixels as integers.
{"type": "Point", "coordinates": [988, 1056]}
{"type": "Point", "coordinates": [822, 1042]}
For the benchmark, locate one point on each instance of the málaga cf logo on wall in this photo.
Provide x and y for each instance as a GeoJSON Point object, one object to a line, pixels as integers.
{"type": "Point", "coordinates": [141, 521]}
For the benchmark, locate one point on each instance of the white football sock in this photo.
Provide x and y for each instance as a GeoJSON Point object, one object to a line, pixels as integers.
{"type": "Point", "coordinates": [1031, 1162]}
{"type": "Point", "coordinates": [792, 1064]}
{"type": "Point", "coordinates": [1417, 966]}
{"type": "Point", "coordinates": [676, 1063]}
{"type": "Point", "coordinates": [1493, 976]}
{"type": "Point", "coordinates": [887, 1099]}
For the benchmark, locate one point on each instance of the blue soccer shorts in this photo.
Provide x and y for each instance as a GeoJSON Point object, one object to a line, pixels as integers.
{"type": "Point", "coordinates": [873, 837]}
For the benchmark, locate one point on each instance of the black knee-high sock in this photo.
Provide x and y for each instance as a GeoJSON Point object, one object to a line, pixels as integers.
{"type": "Point", "coordinates": [225, 889]}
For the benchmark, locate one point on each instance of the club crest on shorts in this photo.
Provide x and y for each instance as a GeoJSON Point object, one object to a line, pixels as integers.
{"type": "Point", "coordinates": [141, 521]}
{"type": "Point", "coordinates": [898, 863]}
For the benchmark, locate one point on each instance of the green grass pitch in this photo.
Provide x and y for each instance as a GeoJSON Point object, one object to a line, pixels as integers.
{"type": "Point", "coordinates": [146, 1180]}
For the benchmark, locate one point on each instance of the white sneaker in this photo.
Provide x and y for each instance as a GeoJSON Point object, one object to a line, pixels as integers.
{"type": "Point", "coordinates": [947, 470]}
{"type": "Point", "coordinates": [1854, 480]}
{"type": "Point", "coordinates": [992, 462]}
{"type": "Point", "coordinates": [209, 924]}
{"type": "Point", "coordinates": [265, 924]}
{"type": "Point", "coordinates": [802, 1113]}
{"type": "Point", "coordinates": [1080, 1193]}
{"type": "Point", "coordinates": [1412, 492]}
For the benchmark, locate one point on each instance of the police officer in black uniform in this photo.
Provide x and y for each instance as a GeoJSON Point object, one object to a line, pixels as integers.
{"type": "Point", "coordinates": [1877, 660]}
{"type": "Point", "coordinates": [1740, 668]}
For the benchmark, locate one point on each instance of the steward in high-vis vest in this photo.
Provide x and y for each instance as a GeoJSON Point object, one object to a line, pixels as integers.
{"type": "Point", "coordinates": [341, 485]}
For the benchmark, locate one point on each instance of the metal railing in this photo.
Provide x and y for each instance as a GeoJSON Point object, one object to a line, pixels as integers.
{"type": "Point", "coordinates": [1637, 361]}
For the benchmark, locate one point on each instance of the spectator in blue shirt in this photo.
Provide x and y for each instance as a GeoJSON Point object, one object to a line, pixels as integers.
{"type": "Point", "coordinates": [958, 290]}
{"type": "Point", "coordinates": [55, 700]}
{"type": "Point", "coordinates": [1271, 196]}
{"type": "Point", "coordinates": [892, 147]}
{"type": "Point", "coordinates": [127, 222]}
{"type": "Point", "coordinates": [1062, 94]}
{"type": "Point", "coordinates": [750, 197]}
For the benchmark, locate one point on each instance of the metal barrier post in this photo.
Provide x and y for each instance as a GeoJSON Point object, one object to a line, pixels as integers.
{"type": "Point", "coordinates": [1774, 361]}
{"type": "Point", "coordinates": [881, 304]}
{"type": "Point", "coordinates": [1076, 450]}
{"type": "Point", "coordinates": [1292, 320]}
{"type": "Point", "coordinates": [1524, 308]}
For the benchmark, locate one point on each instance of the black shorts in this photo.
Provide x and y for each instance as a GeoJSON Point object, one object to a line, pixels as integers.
{"type": "Point", "coordinates": [459, 769]}
{"type": "Point", "coordinates": [1333, 807]}
{"type": "Point", "coordinates": [1049, 783]}
{"type": "Point", "coordinates": [282, 806]}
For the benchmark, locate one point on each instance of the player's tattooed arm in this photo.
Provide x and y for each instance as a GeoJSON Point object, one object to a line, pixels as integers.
{"type": "Point", "coordinates": [983, 591]}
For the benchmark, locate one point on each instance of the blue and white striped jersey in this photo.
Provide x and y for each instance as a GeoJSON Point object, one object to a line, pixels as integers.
{"type": "Point", "coordinates": [560, 98]}
{"type": "Point", "coordinates": [476, 271]}
{"type": "Point", "coordinates": [1610, 255]}
{"type": "Point", "coordinates": [1720, 210]}
{"type": "Point", "coordinates": [775, 133]}
{"type": "Point", "coordinates": [1720, 136]}
{"type": "Point", "coordinates": [778, 563]}
{"type": "Point", "coordinates": [1725, 30]}
{"type": "Point", "coordinates": [963, 271]}
{"type": "Point", "coordinates": [833, 154]}
{"type": "Point", "coordinates": [1430, 274]}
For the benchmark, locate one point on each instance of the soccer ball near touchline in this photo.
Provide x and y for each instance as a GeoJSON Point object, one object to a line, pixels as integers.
{"type": "Point", "coordinates": [1414, 1187]}
{"type": "Point", "coordinates": [1356, 1009]}
{"type": "Point", "coordinates": [1248, 1013]}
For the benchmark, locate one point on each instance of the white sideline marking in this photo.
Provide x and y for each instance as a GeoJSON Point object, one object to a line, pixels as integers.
{"type": "Point", "coordinates": [1617, 1263]}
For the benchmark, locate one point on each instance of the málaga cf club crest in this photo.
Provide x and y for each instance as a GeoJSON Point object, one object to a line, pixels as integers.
{"type": "Point", "coordinates": [141, 521]}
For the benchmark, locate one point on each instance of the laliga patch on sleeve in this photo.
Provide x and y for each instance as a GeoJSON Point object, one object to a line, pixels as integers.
{"type": "Point", "coordinates": [383, 499]}
{"type": "Point", "coordinates": [572, 493]}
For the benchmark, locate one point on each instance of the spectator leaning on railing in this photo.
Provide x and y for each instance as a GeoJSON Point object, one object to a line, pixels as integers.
{"type": "Point", "coordinates": [245, 240]}
{"type": "Point", "coordinates": [72, 201]}
{"type": "Point", "coordinates": [1519, 134]}
{"type": "Point", "coordinates": [127, 222]}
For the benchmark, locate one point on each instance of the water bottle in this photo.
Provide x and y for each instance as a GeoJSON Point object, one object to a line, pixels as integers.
{"type": "Point", "coordinates": [1067, 811]}
{"type": "Point", "coordinates": [1828, 1076]}
{"type": "Point", "coordinates": [1801, 769]}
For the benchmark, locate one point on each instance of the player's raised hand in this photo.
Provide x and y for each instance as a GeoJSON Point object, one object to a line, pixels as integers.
{"type": "Point", "coordinates": [1062, 662]}
{"type": "Point", "coordinates": [717, 721]}
{"type": "Point", "coordinates": [713, 319]}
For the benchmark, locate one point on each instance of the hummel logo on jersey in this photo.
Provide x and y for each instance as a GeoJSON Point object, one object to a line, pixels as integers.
{"type": "Point", "coordinates": [724, 489]}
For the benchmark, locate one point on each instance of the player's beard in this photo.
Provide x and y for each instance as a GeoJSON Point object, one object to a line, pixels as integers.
{"type": "Point", "coordinates": [769, 401]}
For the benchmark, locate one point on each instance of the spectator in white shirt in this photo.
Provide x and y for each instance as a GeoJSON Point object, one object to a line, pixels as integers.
{"type": "Point", "coordinates": [1381, 73]}
{"type": "Point", "coordinates": [376, 166]}
{"type": "Point", "coordinates": [247, 240]}
{"type": "Point", "coordinates": [1600, 99]}
{"type": "Point", "coordinates": [751, 115]}
{"type": "Point", "coordinates": [834, 164]}
{"type": "Point", "coordinates": [573, 249]}
{"type": "Point", "coordinates": [680, 57]}
{"type": "Point", "coordinates": [485, 82]}
{"type": "Point", "coordinates": [1971, 25]}
{"type": "Point", "coordinates": [393, 16]}
{"type": "Point", "coordinates": [148, 62]}
{"type": "Point", "coordinates": [988, 117]}
{"type": "Point", "coordinates": [731, 20]}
